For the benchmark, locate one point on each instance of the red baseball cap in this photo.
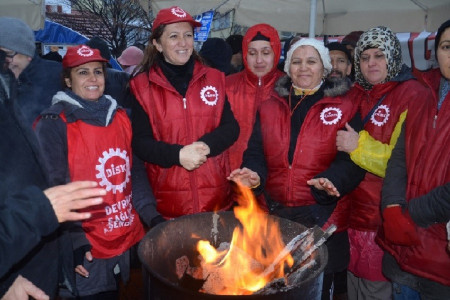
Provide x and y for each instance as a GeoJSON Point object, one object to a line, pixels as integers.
{"type": "Point", "coordinates": [81, 54]}
{"type": "Point", "coordinates": [173, 14]}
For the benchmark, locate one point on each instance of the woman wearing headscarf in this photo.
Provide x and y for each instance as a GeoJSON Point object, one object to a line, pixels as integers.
{"type": "Point", "coordinates": [261, 50]}
{"type": "Point", "coordinates": [182, 121]}
{"type": "Point", "coordinates": [416, 192]}
{"type": "Point", "coordinates": [386, 92]}
{"type": "Point", "coordinates": [292, 151]}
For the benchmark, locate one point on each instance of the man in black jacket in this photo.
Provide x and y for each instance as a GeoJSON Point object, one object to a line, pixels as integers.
{"type": "Point", "coordinates": [37, 79]}
{"type": "Point", "coordinates": [30, 211]}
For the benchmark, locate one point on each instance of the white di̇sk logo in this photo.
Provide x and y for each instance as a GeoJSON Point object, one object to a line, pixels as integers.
{"type": "Point", "coordinates": [209, 95]}
{"type": "Point", "coordinates": [114, 162]}
{"type": "Point", "coordinates": [85, 51]}
{"type": "Point", "coordinates": [331, 115]}
{"type": "Point", "coordinates": [380, 116]}
{"type": "Point", "coordinates": [178, 12]}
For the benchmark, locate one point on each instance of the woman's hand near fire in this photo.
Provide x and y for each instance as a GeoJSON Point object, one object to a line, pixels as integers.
{"type": "Point", "coordinates": [194, 155]}
{"type": "Point", "coordinates": [245, 177]}
{"type": "Point", "coordinates": [324, 184]}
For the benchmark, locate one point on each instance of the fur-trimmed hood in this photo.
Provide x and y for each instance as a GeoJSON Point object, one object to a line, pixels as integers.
{"type": "Point", "coordinates": [331, 89]}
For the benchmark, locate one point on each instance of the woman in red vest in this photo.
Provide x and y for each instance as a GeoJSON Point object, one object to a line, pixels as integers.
{"type": "Point", "coordinates": [386, 92]}
{"type": "Point", "coordinates": [292, 151]}
{"type": "Point", "coordinates": [86, 136]}
{"type": "Point", "coordinates": [416, 192]}
{"type": "Point", "coordinates": [261, 50]}
{"type": "Point", "coordinates": [182, 121]}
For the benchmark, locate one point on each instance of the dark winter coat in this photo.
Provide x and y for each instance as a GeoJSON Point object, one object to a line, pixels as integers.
{"type": "Point", "coordinates": [116, 86]}
{"type": "Point", "coordinates": [29, 246]}
{"type": "Point", "coordinates": [52, 133]}
{"type": "Point", "coordinates": [37, 84]}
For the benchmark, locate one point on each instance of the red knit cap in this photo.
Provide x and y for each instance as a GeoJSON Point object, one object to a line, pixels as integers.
{"type": "Point", "coordinates": [81, 54]}
{"type": "Point", "coordinates": [173, 14]}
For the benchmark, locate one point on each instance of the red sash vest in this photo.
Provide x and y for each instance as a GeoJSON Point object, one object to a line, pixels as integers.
{"type": "Point", "coordinates": [103, 154]}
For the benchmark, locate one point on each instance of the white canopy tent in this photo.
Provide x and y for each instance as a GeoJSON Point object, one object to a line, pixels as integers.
{"type": "Point", "coordinates": [31, 12]}
{"type": "Point", "coordinates": [332, 17]}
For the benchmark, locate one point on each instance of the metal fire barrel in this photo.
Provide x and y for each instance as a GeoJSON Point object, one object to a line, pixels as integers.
{"type": "Point", "coordinates": [165, 243]}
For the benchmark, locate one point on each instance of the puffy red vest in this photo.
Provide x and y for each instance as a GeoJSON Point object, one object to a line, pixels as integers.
{"type": "Point", "coordinates": [315, 149]}
{"type": "Point", "coordinates": [428, 162]}
{"type": "Point", "coordinates": [178, 120]}
{"type": "Point", "coordinates": [365, 199]}
{"type": "Point", "coordinates": [103, 154]}
{"type": "Point", "coordinates": [246, 91]}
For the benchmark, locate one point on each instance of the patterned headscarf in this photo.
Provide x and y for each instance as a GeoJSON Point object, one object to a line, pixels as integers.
{"type": "Point", "coordinates": [383, 38]}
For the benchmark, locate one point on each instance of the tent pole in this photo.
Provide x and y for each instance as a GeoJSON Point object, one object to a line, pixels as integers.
{"type": "Point", "coordinates": [312, 18]}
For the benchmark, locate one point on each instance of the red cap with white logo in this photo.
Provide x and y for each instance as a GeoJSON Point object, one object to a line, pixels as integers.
{"type": "Point", "coordinates": [173, 14]}
{"type": "Point", "coordinates": [81, 54]}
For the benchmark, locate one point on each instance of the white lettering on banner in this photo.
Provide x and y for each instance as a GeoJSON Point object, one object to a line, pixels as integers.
{"type": "Point", "coordinates": [422, 51]}
{"type": "Point", "coordinates": [121, 215]}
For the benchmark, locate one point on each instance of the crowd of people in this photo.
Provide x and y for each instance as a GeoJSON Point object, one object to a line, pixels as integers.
{"type": "Point", "coordinates": [339, 134]}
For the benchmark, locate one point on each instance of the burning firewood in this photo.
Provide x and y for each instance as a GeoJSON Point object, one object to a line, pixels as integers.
{"type": "Point", "coordinates": [209, 278]}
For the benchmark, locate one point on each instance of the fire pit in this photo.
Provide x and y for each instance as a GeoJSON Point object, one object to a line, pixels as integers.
{"type": "Point", "coordinates": [167, 242]}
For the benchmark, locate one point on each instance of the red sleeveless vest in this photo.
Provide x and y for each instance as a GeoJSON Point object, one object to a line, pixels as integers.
{"type": "Point", "coordinates": [103, 154]}
{"type": "Point", "coordinates": [179, 120]}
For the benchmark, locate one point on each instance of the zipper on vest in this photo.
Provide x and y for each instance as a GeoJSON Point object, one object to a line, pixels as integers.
{"type": "Point", "coordinates": [184, 102]}
{"type": "Point", "coordinates": [434, 121]}
{"type": "Point", "coordinates": [259, 81]}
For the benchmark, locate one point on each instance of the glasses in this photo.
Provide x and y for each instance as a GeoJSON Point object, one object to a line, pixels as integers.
{"type": "Point", "coordinates": [10, 54]}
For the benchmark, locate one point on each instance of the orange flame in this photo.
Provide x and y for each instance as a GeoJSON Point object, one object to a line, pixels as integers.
{"type": "Point", "coordinates": [238, 270]}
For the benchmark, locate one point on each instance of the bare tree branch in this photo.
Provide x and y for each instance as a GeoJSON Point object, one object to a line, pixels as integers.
{"type": "Point", "coordinates": [119, 22]}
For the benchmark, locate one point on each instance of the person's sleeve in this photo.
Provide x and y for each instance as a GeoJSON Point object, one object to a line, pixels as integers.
{"type": "Point", "coordinates": [22, 225]}
{"type": "Point", "coordinates": [431, 208]}
{"type": "Point", "coordinates": [373, 155]}
{"type": "Point", "coordinates": [342, 172]}
{"type": "Point", "coordinates": [253, 157]}
{"type": "Point", "coordinates": [143, 199]}
{"type": "Point", "coordinates": [51, 132]}
{"type": "Point", "coordinates": [221, 138]}
{"type": "Point", "coordinates": [144, 144]}
{"type": "Point", "coordinates": [52, 136]}
{"type": "Point", "coordinates": [395, 181]}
